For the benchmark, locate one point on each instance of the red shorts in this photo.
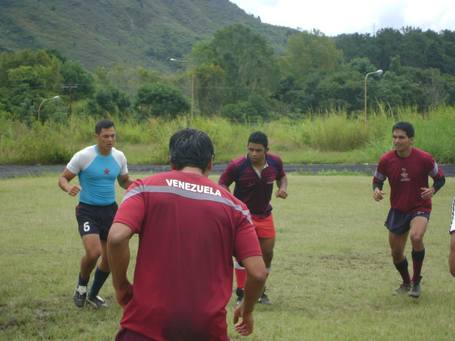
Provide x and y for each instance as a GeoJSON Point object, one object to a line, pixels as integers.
{"type": "Point", "coordinates": [265, 228]}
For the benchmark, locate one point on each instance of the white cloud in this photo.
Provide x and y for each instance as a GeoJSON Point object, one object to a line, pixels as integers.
{"type": "Point", "coordinates": [334, 17]}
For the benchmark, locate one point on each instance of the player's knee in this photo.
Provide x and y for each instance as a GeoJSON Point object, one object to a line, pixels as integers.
{"type": "Point", "coordinates": [416, 238]}
{"type": "Point", "coordinates": [93, 254]}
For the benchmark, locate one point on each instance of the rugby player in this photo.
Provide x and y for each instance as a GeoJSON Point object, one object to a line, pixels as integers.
{"type": "Point", "coordinates": [407, 169]}
{"type": "Point", "coordinates": [189, 229]}
{"type": "Point", "coordinates": [254, 175]}
{"type": "Point", "coordinates": [97, 167]}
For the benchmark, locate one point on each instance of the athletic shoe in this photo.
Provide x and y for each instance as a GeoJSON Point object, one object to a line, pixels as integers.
{"type": "Point", "coordinates": [402, 289]}
{"type": "Point", "coordinates": [264, 299]}
{"type": "Point", "coordinates": [240, 293]}
{"type": "Point", "coordinates": [80, 296]}
{"type": "Point", "coordinates": [96, 302]}
{"type": "Point", "coordinates": [415, 289]}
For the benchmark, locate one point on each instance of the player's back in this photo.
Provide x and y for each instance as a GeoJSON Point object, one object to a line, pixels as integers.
{"type": "Point", "coordinates": [183, 273]}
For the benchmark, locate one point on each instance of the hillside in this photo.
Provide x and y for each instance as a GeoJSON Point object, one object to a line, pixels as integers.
{"type": "Point", "coordinates": [134, 32]}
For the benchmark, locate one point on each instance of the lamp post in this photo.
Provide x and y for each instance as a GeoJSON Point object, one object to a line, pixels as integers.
{"type": "Point", "coordinates": [43, 101]}
{"type": "Point", "coordinates": [378, 72]}
{"type": "Point", "coordinates": [193, 80]}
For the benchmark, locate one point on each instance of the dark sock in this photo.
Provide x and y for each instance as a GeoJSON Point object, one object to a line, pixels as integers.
{"type": "Point", "coordinates": [98, 281]}
{"type": "Point", "coordinates": [83, 282]}
{"type": "Point", "coordinates": [417, 262]}
{"type": "Point", "coordinates": [402, 268]}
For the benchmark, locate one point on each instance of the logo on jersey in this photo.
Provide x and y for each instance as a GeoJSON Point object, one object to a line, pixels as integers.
{"type": "Point", "coordinates": [106, 171]}
{"type": "Point", "coordinates": [193, 187]}
{"type": "Point", "coordinates": [404, 175]}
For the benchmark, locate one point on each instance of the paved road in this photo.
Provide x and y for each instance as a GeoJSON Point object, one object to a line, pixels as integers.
{"type": "Point", "coordinates": [11, 171]}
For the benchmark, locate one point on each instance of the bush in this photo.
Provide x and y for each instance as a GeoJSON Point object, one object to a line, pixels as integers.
{"type": "Point", "coordinates": [160, 100]}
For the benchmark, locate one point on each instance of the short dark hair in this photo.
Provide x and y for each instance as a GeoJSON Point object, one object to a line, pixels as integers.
{"type": "Point", "coordinates": [103, 124]}
{"type": "Point", "coordinates": [406, 127]}
{"type": "Point", "coordinates": [260, 138]}
{"type": "Point", "coordinates": [191, 148]}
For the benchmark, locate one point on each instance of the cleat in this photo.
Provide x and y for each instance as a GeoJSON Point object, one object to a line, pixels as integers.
{"type": "Point", "coordinates": [402, 289]}
{"type": "Point", "coordinates": [415, 289]}
{"type": "Point", "coordinates": [80, 296]}
{"type": "Point", "coordinates": [240, 293]}
{"type": "Point", "coordinates": [97, 302]}
{"type": "Point", "coordinates": [264, 299]}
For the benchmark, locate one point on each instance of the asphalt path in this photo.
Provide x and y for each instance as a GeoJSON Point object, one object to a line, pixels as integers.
{"type": "Point", "coordinates": [12, 171]}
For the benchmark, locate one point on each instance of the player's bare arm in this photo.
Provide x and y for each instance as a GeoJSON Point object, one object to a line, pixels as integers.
{"type": "Point", "coordinates": [256, 277]}
{"type": "Point", "coordinates": [64, 183]}
{"type": "Point", "coordinates": [118, 253]}
{"type": "Point", "coordinates": [282, 191]}
{"type": "Point", "coordinates": [124, 181]}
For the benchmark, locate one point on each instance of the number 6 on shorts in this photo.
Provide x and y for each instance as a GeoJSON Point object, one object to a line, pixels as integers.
{"type": "Point", "coordinates": [86, 226]}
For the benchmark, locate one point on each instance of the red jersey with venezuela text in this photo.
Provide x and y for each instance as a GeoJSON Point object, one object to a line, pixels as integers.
{"type": "Point", "coordinates": [189, 229]}
{"type": "Point", "coordinates": [253, 189]}
{"type": "Point", "coordinates": [406, 177]}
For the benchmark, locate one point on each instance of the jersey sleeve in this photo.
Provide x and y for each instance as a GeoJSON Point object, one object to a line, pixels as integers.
{"type": "Point", "coordinates": [434, 170]}
{"type": "Point", "coordinates": [228, 176]}
{"type": "Point", "coordinates": [280, 169]}
{"type": "Point", "coordinates": [246, 242]}
{"type": "Point", "coordinates": [123, 165]}
{"type": "Point", "coordinates": [380, 174]}
{"type": "Point", "coordinates": [132, 209]}
{"type": "Point", "coordinates": [76, 163]}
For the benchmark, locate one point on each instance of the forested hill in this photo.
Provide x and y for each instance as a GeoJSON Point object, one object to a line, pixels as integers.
{"type": "Point", "coordinates": [106, 32]}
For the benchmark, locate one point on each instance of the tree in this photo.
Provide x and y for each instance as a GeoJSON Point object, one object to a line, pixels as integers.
{"type": "Point", "coordinates": [109, 101]}
{"type": "Point", "coordinates": [240, 62]}
{"type": "Point", "coordinates": [159, 99]}
{"type": "Point", "coordinates": [73, 74]}
{"type": "Point", "coordinates": [26, 78]}
{"type": "Point", "coordinates": [310, 52]}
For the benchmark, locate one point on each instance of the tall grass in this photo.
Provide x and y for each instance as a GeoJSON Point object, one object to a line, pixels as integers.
{"type": "Point", "coordinates": [322, 139]}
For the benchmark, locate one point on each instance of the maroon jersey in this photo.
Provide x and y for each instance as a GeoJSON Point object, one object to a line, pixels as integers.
{"type": "Point", "coordinates": [254, 189]}
{"type": "Point", "coordinates": [406, 177]}
{"type": "Point", "coordinates": [189, 229]}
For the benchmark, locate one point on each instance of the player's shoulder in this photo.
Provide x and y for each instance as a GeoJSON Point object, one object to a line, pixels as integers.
{"type": "Point", "coordinates": [422, 153]}
{"type": "Point", "coordinates": [117, 153]}
{"type": "Point", "coordinates": [87, 151]}
{"type": "Point", "coordinates": [387, 156]}
{"type": "Point", "coordinates": [239, 160]}
{"type": "Point", "coordinates": [270, 157]}
{"type": "Point", "coordinates": [85, 154]}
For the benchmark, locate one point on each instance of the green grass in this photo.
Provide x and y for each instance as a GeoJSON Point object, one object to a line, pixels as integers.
{"type": "Point", "coordinates": [332, 274]}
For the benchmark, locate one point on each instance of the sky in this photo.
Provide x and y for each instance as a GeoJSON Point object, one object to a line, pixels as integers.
{"type": "Point", "coordinates": [333, 17]}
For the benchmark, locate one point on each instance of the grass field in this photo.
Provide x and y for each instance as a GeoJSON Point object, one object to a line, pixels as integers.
{"type": "Point", "coordinates": [332, 275]}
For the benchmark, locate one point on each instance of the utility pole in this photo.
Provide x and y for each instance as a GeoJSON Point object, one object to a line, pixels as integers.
{"type": "Point", "coordinates": [71, 87]}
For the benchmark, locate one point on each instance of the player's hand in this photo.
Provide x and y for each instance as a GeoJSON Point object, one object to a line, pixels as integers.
{"type": "Point", "coordinates": [243, 322]}
{"type": "Point", "coordinates": [281, 193]}
{"type": "Point", "coordinates": [74, 190]}
{"type": "Point", "coordinates": [378, 194]}
{"type": "Point", "coordinates": [427, 193]}
{"type": "Point", "coordinates": [124, 294]}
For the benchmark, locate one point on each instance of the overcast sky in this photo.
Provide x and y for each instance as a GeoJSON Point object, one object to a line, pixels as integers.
{"type": "Point", "coordinates": [334, 17]}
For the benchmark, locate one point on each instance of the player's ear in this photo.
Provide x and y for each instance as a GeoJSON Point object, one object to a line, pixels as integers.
{"type": "Point", "coordinates": [210, 165]}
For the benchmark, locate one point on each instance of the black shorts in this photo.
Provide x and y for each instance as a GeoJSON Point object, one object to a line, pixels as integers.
{"type": "Point", "coordinates": [399, 222]}
{"type": "Point", "coordinates": [95, 219]}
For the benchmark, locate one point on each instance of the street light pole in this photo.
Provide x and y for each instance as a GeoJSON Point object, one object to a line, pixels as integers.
{"type": "Point", "coordinates": [43, 101]}
{"type": "Point", "coordinates": [378, 72]}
